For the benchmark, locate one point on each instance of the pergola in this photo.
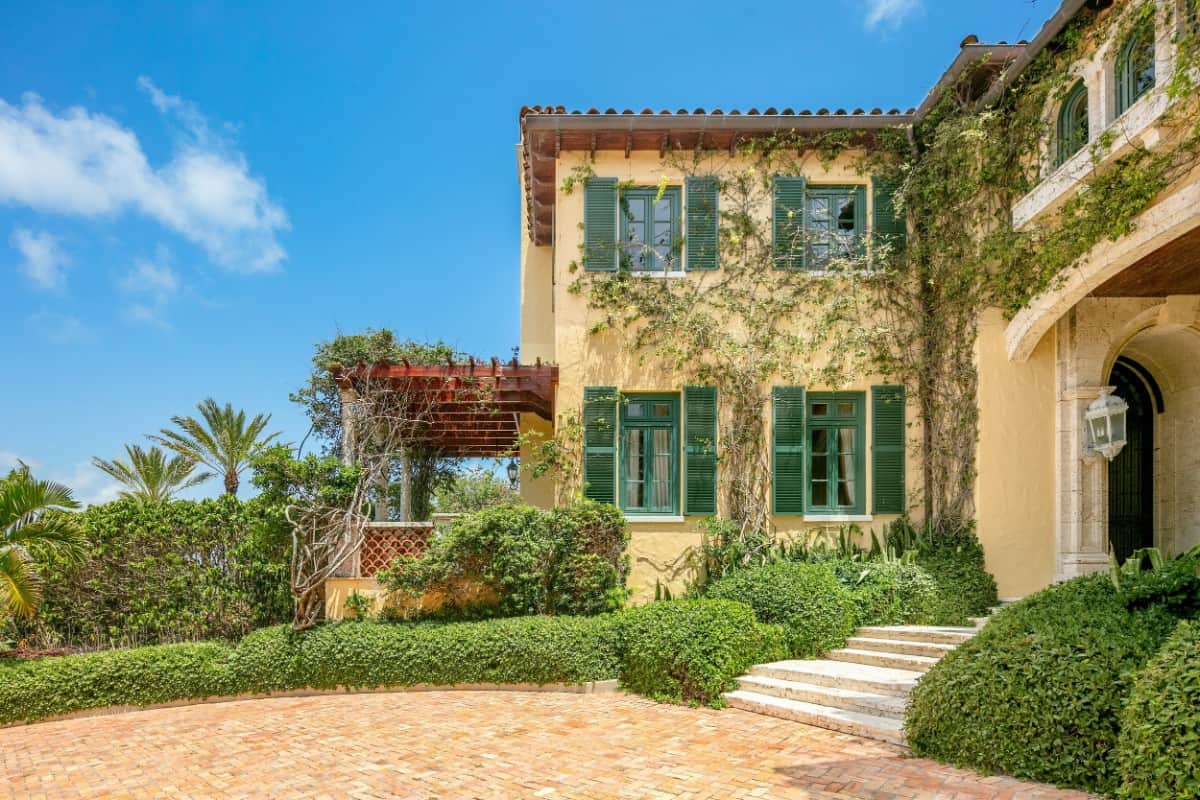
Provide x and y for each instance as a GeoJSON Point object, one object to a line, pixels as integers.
{"type": "Point", "coordinates": [464, 410]}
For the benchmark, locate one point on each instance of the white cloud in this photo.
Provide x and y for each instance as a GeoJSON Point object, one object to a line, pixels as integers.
{"type": "Point", "coordinates": [10, 460]}
{"type": "Point", "coordinates": [82, 163]}
{"type": "Point", "coordinates": [888, 13]}
{"type": "Point", "coordinates": [152, 284]}
{"type": "Point", "coordinates": [59, 328]}
{"type": "Point", "coordinates": [90, 485]}
{"type": "Point", "coordinates": [43, 261]}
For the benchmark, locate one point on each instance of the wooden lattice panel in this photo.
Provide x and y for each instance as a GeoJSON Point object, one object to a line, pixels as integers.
{"type": "Point", "coordinates": [379, 547]}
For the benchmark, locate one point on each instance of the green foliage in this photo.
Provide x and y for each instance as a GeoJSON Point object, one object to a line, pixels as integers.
{"type": "Point", "coordinates": [954, 558]}
{"type": "Point", "coordinates": [370, 655]}
{"type": "Point", "coordinates": [473, 490]}
{"type": "Point", "coordinates": [1160, 726]}
{"type": "Point", "coordinates": [1039, 691]}
{"type": "Point", "coordinates": [890, 592]}
{"type": "Point", "coordinates": [35, 689]}
{"type": "Point", "coordinates": [816, 611]}
{"type": "Point", "coordinates": [32, 522]}
{"type": "Point", "coordinates": [222, 439]}
{"type": "Point", "coordinates": [1148, 579]}
{"type": "Point", "coordinates": [729, 546]}
{"type": "Point", "coordinates": [149, 476]}
{"type": "Point", "coordinates": [281, 478]}
{"type": "Point", "coordinates": [692, 650]}
{"type": "Point", "coordinates": [563, 561]}
{"type": "Point", "coordinates": [163, 572]}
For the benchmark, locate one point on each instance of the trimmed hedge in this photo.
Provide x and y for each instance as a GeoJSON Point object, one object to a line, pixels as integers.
{"type": "Point", "coordinates": [1038, 692]}
{"type": "Point", "coordinates": [678, 650]}
{"type": "Point", "coordinates": [807, 599]}
{"type": "Point", "coordinates": [1158, 754]}
{"type": "Point", "coordinates": [34, 689]}
{"type": "Point", "coordinates": [692, 650]}
{"type": "Point", "coordinates": [365, 655]}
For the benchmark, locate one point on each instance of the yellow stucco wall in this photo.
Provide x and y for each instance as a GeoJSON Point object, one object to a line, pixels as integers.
{"type": "Point", "coordinates": [660, 552]}
{"type": "Point", "coordinates": [1016, 485]}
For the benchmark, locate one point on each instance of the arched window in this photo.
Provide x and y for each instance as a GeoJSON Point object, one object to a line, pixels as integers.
{"type": "Point", "coordinates": [1072, 123]}
{"type": "Point", "coordinates": [1135, 66]}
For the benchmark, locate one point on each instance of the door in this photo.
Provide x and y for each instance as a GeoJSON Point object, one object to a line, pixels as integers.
{"type": "Point", "coordinates": [1131, 473]}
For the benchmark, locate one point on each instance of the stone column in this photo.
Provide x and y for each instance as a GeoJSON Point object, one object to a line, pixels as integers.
{"type": "Point", "coordinates": [1082, 501]}
{"type": "Point", "coordinates": [349, 567]}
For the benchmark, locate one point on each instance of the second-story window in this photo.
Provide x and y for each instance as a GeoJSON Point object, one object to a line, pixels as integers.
{"type": "Point", "coordinates": [1072, 124]}
{"type": "Point", "coordinates": [833, 222]}
{"type": "Point", "coordinates": [650, 229]}
{"type": "Point", "coordinates": [1135, 66]}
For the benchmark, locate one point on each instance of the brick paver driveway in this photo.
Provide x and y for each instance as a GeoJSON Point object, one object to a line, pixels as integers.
{"type": "Point", "coordinates": [466, 745]}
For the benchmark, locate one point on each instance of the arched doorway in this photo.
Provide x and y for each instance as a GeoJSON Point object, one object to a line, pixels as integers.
{"type": "Point", "coordinates": [1131, 473]}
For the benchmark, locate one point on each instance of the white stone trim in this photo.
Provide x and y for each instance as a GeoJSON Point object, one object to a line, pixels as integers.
{"type": "Point", "coordinates": [634, 518]}
{"type": "Point", "coordinates": [1158, 225]}
{"type": "Point", "coordinates": [838, 518]}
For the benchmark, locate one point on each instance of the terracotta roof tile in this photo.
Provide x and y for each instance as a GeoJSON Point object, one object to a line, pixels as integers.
{"type": "Point", "coordinates": [716, 112]}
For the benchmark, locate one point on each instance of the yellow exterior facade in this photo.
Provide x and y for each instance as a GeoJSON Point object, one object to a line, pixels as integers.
{"type": "Point", "coordinates": [1042, 498]}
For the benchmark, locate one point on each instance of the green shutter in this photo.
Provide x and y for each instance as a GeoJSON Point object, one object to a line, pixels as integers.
{"type": "Point", "coordinates": [787, 223]}
{"type": "Point", "coordinates": [600, 225]}
{"type": "Point", "coordinates": [787, 449]}
{"type": "Point", "coordinates": [702, 223]}
{"type": "Point", "coordinates": [599, 444]}
{"type": "Point", "coordinates": [890, 227]}
{"type": "Point", "coordinates": [887, 450]}
{"type": "Point", "coordinates": [860, 219]}
{"type": "Point", "coordinates": [700, 449]}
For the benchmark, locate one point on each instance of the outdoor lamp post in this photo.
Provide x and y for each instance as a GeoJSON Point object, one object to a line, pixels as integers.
{"type": "Point", "coordinates": [514, 473]}
{"type": "Point", "coordinates": [1105, 420]}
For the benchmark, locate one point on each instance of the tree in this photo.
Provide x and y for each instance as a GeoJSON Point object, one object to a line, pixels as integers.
{"type": "Point", "coordinates": [323, 403]}
{"type": "Point", "coordinates": [149, 475]}
{"type": "Point", "coordinates": [222, 440]}
{"type": "Point", "coordinates": [474, 490]}
{"type": "Point", "coordinates": [24, 524]}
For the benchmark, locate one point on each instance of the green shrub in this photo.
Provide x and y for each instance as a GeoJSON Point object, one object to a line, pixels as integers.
{"type": "Point", "coordinates": [1158, 750]}
{"type": "Point", "coordinates": [563, 561]}
{"type": "Point", "coordinates": [954, 559]}
{"type": "Point", "coordinates": [35, 689]}
{"type": "Point", "coordinates": [369, 655]}
{"type": "Point", "coordinates": [815, 609]}
{"type": "Point", "coordinates": [165, 572]}
{"type": "Point", "coordinates": [889, 592]}
{"type": "Point", "coordinates": [1148, 579]}
{"type": "Point", "coordinates": [692, 650]}
{"type": "Point", "coordinates": [1039, 691]}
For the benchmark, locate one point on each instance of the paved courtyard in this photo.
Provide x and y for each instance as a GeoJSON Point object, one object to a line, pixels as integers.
{"type": "Point", "coordinates": [465, 745]}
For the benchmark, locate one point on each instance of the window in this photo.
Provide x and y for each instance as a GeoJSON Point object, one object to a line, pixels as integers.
{"type": "Point", "coordinates": [1072, 123]}
{"type": "Point", "coordinates": [836, 447]}
{"type": "Point", "coordinates": [1135, 66]}
{"type": "Point", "coordinates": [649, 453]}
{"type": "Point", "coordinates": [833, 219]}
{"type": "Point", "coordinates": [651, 233]}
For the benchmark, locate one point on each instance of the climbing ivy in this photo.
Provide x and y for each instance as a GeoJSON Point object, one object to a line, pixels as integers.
{"type": "Point", "coordinates": [909, 314]}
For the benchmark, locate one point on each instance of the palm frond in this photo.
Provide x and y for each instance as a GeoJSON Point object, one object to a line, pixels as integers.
{"type": "Point", "coordinates": [149, 475]}
{"type": "Point", "coordinates": [221, 438]}
{"type": "Point", "coordinates": [20, 586]}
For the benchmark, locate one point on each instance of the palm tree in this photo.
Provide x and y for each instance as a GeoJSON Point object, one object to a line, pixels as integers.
{"type": "Point", "coordinates": [222, 440]}
{"type": "Point", "coordinates": [149, 475]}
{"type": "Point", "coordinates": [24, 502]}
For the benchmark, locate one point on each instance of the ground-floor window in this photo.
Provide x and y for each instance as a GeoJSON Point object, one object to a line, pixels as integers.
{"type": "Point", "coordinates": [836, 446]}
{"type": "Point", "coordinates": [649, 454]}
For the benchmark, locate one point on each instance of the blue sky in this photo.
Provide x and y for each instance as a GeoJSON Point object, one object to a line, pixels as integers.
{"type": "Point", "coordinates": [193, 194]}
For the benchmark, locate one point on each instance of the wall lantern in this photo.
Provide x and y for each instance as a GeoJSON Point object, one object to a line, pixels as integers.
{"type": "Point", "coordinates": [514, 473]}
{"type": "Point", "coordinates": [1105, 419]}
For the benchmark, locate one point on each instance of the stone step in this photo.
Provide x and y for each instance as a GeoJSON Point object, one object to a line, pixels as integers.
{"type": "Point", "coordinates": [838, 719]}
{"type": "Point", "coordinates": [842, 675]}
{"type": "Point", "coordinates": [881, 705]}
{"type": "Point", "coordinates": [933, 634]}
{"type": "Point", "coordinates": [901, 646]}
{"type": "Point", "coordinates": [877, 659]}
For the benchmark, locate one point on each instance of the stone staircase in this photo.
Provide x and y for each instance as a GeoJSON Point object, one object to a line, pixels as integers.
{"type": "Point", "coordinates": [861, 689]}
